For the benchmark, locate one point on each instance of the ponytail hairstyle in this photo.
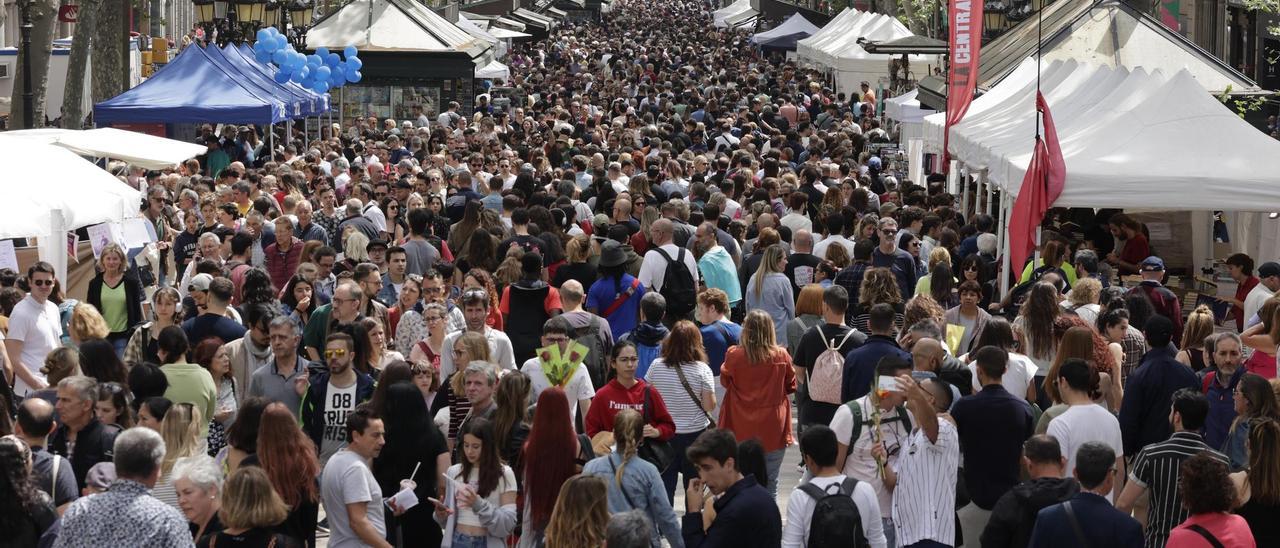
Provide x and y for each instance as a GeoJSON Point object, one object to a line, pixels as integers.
{"type": "Point", "coordinates": [628, 433]}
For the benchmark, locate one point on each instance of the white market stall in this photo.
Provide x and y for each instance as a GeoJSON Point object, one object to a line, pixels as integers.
{"type": "Point", "coordinates": [138, 149]}
{"type": "Point", "coordinates": [718, 17]}
{"type": "Point", "coordinates": [47, 204]}
{"type": "Point", "coordinates": [786, 34]}
{"type": "Point", "coordinates": [906, 110]}
{"type": "Point", "coordinates": [835, 47]}
{"type": "Point", "coordinates": [1128, 139]}
{"type": "Point", "coordinates": [494, 71]}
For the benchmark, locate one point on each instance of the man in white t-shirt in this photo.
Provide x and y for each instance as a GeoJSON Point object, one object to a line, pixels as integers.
{"type": "Point", "coordinates": [333, 395]}
{"type": "Point", "coordinates": [859, 453]}
{"type": "Point", "coordinates": [35, 329]}
{"type": "Point", "coordinates": [653, 270]}
{"type": "Point", "coordinates": [818, 446]}
{"type": "Point", "coordinates": [1085, 421]}
{"type": "Point", "coordinates": [351, 496]}
{"type": "Point", "coordinates": [577, 388]}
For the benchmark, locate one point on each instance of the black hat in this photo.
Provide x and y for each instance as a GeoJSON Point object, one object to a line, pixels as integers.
{"type": "Point", "coordinates": [611, 254]}
{"type": "Point", "coordinates": [376, 243]}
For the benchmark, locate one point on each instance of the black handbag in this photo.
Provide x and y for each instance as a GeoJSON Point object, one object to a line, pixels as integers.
{"type": "Point", "coordinates": [658, 452]}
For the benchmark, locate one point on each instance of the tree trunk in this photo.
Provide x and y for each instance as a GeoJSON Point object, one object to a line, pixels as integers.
{"type": "Point", "coordinates": [108, 50]}
{"type": "Point", "coordinates": [77, 63]}
{"type": "Point", "coordinates": [43, 20]}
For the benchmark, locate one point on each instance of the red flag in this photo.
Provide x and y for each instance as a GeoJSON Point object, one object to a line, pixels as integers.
{"type": "Point", "coordinates": [962, 71]}
{"type": "Point", "coordinates": [1046, 176]}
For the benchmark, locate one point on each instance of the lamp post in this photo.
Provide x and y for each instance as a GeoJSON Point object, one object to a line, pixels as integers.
{"type": "Point", "coordinates": [300, 14]}
{"type": "Point", "coordinates": [28, 96]}
{"type": "Point", "coordinates": [226, 21]}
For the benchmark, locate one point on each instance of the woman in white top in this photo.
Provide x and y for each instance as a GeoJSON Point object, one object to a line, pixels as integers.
{"type": "Point", "coordinates": [683, 378]}
{"type": "Point", "coordinates": [480, 499]}
{"type": "Point", "coordinates": [1020, 371]}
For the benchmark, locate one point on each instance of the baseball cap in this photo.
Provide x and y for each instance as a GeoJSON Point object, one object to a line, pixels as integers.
{"type": "Point", "coordinates": [1269, 269]}
{"type": "Point", "coordinates": [200, 282]}
{"type": "Point", "coordinates": [376, 243]}
{"type": "Point", "coordinates": [1152, 264]}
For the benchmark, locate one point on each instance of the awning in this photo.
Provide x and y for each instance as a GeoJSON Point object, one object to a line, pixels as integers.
{"type": "Point", "coordinates": [501, 33]}
{"type": "Point", "coordinates": [139, 149]}
{"type": "Point", "coordinates": [742, 19]}
{"type": "Point", "coordinates": [508, 23]}
{"type": "Point", "coordinates": [494, 70]}
{"type": "Point", "coordinates": [535, 19]}
{"type": "Point", "coordinates": [556, 12]}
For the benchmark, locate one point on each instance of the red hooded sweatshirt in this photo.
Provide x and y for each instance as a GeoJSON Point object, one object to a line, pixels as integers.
{"type": "Point", "coordinates": [613, 397]}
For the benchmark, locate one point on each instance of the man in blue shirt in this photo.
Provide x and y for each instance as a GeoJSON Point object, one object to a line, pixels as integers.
{"type": "Point", "coordinates": [887, 255]}
{"type": "Point", "coordinates": [1088, 519]}
{"type": "Point", "coordinates": [718, 334]}
{"type": "Point", "coordinates": [616, 295]}
{"type": "Point", "coordinates": [860, 363]}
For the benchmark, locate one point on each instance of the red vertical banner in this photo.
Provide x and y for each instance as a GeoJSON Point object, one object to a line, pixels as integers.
{"type": "Point", "coordinates": [964, 45]}
{"type": "Point", "coordinates": [1045, 179]}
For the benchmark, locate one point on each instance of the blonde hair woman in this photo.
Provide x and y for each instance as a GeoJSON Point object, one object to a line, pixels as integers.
{"type": "Point", "coordinates": [86, 324]}
{"type": "Point", "coordinates": [116, 295]}
{"type": "Point", "coordinates": [180, 429]}
{"type": "Point", "coordinates": [770, 290]}
{"type": "Point", "coordinates": [468, 347]}
{"type": "Point", "coordinates": [1199, 326]}
{"type": "Point", "coordinates": [581, 514]}
{"type": "Point", "coordinates": [251, 509]}
{"type": "Point", "coordinates": [634, 483]}
{"type": "Point", "coordinates": [1083, 300]}
{"type": "Point", "coordinates": [757, 377]}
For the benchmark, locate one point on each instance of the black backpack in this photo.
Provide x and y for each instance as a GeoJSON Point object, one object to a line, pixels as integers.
{"type": "Point", "coordinates": [678, 286]}
{"type": "Point", "coordinates": [836, 521]}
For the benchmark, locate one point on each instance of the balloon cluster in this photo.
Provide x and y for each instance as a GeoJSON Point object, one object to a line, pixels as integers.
{"type": "Point", "coordinates": [318, 72]}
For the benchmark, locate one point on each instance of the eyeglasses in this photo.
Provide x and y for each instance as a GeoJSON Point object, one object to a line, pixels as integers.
{"type": "Point", "coordinates": [335, 352]}
{"type": "Point", "coordinates": [433, 319]}
{"type": "Point", "coordinates": [557, 340]}
{"type": "Point", "coordinates": [432, 290]}
{"type": "Point", "coordinates": [42, 283]}
{"type": "Point", "coordinates": [914, 244]}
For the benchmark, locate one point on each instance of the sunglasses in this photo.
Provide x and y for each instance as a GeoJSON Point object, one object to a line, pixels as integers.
{"type": "Point", "coordinates": [42, 283]}
{"type": "Point", "coordinates": [335, 352]}
{"type": "Point", "coordinates": [888, 231]}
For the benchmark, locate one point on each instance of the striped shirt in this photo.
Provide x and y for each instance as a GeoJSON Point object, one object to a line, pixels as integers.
{"type": "Point", "coordinates": [924, 501]}
{"type": "Point", "coordinates": [687, 413]}
{"type": "Point", "coordinates": [1156, 468]}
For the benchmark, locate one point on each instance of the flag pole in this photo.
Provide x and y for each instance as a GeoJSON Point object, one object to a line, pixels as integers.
{"type": "Point", "coordinates": [1044, 175]}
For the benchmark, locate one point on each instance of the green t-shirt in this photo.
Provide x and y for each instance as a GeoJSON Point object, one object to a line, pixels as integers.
{"type": "Point", "coordinates": [114, 309]}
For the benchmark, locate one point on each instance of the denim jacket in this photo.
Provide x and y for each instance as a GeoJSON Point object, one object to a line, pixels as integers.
{"type": "Point", "coordinates": [641, 490]}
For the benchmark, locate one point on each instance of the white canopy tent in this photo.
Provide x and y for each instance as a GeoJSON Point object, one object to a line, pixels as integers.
{"type": "Point", "coordinates": [718, 16]}
{"type": "Point", "coordinates": [46, 207]}
{"type": "Point", "coordinates": [505, 34]}
{"type": "Point", "coordinates": [906, 110]}
{"type": "Point", "coordinates": [139, 149]}
{"type": "Point", "coordinates": [395, 25]}
{"type": "Point", "coordinates": [836, 48]}
{"type": "Point", "coordinates": [794, 28]}
{"type": "Point", "coordinates": [1125, 141]}
{"type": "Point", "coordinates": [742, 19]}
{"type": "Point", "coordinates": [494, 70]}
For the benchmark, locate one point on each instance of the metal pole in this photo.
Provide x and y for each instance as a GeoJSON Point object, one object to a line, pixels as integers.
{"type": "Point", "coordinates": [1004, 253]}
{"type": "Point", "coordinates": [28, 97]}
{"type": "Point", "coordinates": [991, 195]}
{"type": "Point", "coordinates": [964, 200]}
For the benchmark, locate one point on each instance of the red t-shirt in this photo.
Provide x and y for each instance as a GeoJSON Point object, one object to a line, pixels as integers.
{"type": "Point", "coordinates": [1136, 249]}
{"type": "Point", "coordinates": [550, 303]}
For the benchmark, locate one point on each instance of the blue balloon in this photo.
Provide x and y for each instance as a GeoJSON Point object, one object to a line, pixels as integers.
{"type": "Point", "coordinates": [314, 60]}
{"type": "Point", "coordinates": [323, 72]}
{"type": "Point", "coordinates": [332, 60]}
{"type": "Point", "coordinates": [297, 61]}
{"type": "Point", "coordinates": [355, 62]}
{"type": "Point", "coordinates": [281, 77]}
{"type": "Point", "coordinates": [322, 52]}
{"type": "Point", "coordinates": [260, 46]}
{"type": "Point", "coordinates": [337, 73]}
{"type": "Point", "coordinates": [296, 76]}
{"type": "Point", "coordinates": [320, 86]}
{"type": "Point", "coordinates": [354, 77]}
{"type": "Point", "coordinates": [306, 72]}
{"type": "Point", "coordinates": [279, 57]}
{"type": "Point", "coordinates": [262, 56]}
{"type": "Point", "coordinates": [281, 42]}
{"type": "Point", "coordinates": [263, 34]}
{"type": "Point", "coordinates": [349, 52]}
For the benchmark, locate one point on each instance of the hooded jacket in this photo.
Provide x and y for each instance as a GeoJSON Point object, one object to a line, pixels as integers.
{"type": "Point", "coordinates": [1014, 515]}
{"type": "Point", "coordinates": [312, 408]}
{"type": "Point", "coordinates": [648, 334]}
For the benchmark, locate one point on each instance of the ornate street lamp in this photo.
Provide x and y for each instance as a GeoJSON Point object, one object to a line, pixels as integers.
{"type": "Point", "coordinates": [227, 21]}
{"type": "Point", "coordinates": [300, 15]}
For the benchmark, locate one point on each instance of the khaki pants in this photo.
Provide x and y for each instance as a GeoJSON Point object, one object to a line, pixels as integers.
{"type": "Point", "coordinates": [972, 521]}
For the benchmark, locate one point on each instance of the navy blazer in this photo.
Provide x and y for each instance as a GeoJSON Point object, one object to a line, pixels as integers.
{"type": "Point", "coordinates": [1103, 526]}
{"type": "Point", "coordinates": [1144, 411]}
{"type": "Point", "coordinates": [746, 517]}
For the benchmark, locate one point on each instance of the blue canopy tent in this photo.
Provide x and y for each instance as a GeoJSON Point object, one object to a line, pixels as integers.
{"type": "Point", "coordinates": [191, 89]}
{"type": "Point", "coordinates": [317, 103]}
{"type": "Point", "coordinates": [260, 84]}
{"type": "Point", "coordinates": [785, 35]}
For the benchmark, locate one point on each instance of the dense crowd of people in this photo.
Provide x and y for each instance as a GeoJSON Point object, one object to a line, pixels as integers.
{"type": "Point", "coordinates": [668, 258]}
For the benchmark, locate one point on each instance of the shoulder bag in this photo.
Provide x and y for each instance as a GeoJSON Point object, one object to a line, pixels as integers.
{"type": "Point", "coordinates": [657, 452]}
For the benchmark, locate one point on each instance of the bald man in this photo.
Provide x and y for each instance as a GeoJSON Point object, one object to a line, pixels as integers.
{"type": "Point", "coordinates": [653, 269]}
{"type": "Point", "coordinates": [35, 423]}
{"type": "Point", "coordinates": [926, 359]}
{"type": "Point", "coordinates": [801, 263]}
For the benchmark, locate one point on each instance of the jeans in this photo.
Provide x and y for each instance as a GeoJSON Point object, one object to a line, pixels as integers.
{"type": "Point", "coordinates": [890, 534]}
{"type": "Point", "coordinates": [461, 540]}
{"type": "Point", "coordinates": [773, 464]}
{"type": "Point", "coordinates": [681, 464]}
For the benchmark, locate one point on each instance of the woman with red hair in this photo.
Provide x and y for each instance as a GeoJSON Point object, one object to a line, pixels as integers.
{"type": "Point", "coordinates": [551, 455]}
{"type": "Point", "coordinates": [288, 457]}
